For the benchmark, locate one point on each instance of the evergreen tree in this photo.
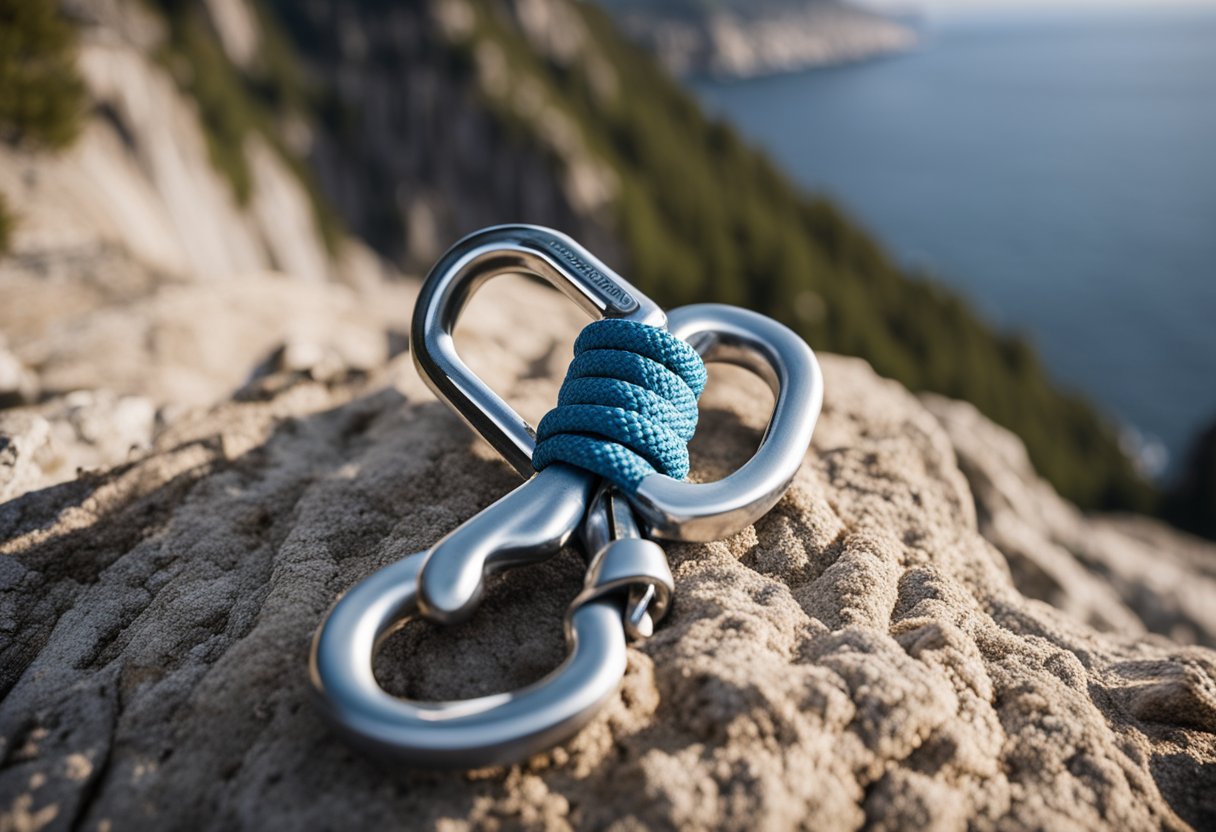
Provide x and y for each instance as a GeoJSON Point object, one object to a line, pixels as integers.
{"type": "Point", "coordinates": [41, 94]}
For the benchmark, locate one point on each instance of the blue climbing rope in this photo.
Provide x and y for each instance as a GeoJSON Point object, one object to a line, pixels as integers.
{"type": "Point", "coordinates": [627, 407]}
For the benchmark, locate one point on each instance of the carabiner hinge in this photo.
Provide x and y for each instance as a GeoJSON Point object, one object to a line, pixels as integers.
{"type": "Point", "coordinates": [623, 562]}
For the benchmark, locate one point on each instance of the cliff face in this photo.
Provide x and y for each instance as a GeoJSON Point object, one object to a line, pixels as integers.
{"type": "Point", "coordinates": [130, 251]}
{"type": "Point", "coordinates": [861, 656]}
{"type": "Point", "coordinates": [416, 153]}
{"type": "Point", "coordinates": [747, 39]}
{"type": "Point", "coordinates": [138, 184]}
{"type": "Point", "coordinates": [399, 135]}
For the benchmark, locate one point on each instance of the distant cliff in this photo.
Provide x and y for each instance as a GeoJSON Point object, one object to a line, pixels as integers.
{"type": "Point", "coordinates": [228, 136]}
{"type": "Point", "coordinates": [741, 39]}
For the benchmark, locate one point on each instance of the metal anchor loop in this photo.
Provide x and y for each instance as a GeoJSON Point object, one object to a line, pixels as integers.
{"type": "Point", "coordinates": [628, 586]}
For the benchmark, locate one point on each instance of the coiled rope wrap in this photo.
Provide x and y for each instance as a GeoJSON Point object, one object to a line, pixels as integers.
{"type": "Point", "coordinates": [627, 407]}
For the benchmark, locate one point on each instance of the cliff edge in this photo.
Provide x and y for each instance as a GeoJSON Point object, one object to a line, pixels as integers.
{"type": "Point", "coordinates": [863, 655]}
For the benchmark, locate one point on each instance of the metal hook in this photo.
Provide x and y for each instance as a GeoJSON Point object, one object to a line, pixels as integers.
{"type": "Point", "coordinates": [627, 581]}
{"type": "Point", "coordinates": [628, 585]}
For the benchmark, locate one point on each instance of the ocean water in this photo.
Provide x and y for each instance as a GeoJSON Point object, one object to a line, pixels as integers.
{"type": "Point", "coordinates": [1060, 172]}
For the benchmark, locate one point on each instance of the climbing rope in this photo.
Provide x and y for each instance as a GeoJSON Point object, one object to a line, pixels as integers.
{"type": "Point", "coordinates": [627, 407]}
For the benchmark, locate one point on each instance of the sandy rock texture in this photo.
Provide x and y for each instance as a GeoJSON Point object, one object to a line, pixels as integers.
{"type": "Point", "coordinates": [1127, 574]}
{"type": "Point", "coordinates": [116, 359]}
{"type": "Point", "coordinates": [85, 429]}
{"type": "Point", "coordinates": [861, 657]}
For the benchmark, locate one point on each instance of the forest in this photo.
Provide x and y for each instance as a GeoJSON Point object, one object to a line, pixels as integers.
{"type": "Point", "coordinates": [701, 215]}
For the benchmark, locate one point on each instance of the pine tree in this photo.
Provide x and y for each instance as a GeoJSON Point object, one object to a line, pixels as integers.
{"type": "Point", "coordinates": [41, 94]}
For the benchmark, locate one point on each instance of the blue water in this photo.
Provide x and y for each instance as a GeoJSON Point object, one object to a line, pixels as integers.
{"type": "Point", "coordinates": [1059, 172]}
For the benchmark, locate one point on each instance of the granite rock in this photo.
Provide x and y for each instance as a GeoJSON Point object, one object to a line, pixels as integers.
{"type": "Point", "coordinates": [1121, 573]}
{"type": "Point", "coordinates": [116, 360]}
{"type": "Point", "coordinates": [861, 656]}
{"type": "Point", "coordinates": [86, 429]}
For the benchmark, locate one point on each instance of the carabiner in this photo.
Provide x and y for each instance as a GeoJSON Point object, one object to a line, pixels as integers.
{"type": "Point", "coordinates": [628, 584]}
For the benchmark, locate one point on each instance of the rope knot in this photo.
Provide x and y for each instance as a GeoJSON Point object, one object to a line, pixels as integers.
{"type": "Point", "coordinates": [627, 407]}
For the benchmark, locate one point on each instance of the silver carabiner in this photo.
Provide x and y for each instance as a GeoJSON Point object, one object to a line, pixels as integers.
{"type": "Point", "coordinates": [628, 584]}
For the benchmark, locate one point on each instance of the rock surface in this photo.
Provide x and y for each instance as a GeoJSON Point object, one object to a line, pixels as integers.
{"type": "Point", "coordinates": [759, 37]}
{"type": "Point", "coordinates": [861, 656]}
{"type": "Point", "coordinates": [1116, 573]}
{"type": "Point", "coordinates": [85, 429]}
{"type": "Point", "coordinates": [117, 357]}
{"type": "Point", "coordinates": [139, 177]}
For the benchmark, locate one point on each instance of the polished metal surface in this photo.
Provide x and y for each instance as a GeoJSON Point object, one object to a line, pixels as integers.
{"type": "Point", "coordinates": [488, 730]}
{"type": "Point", "coordinates": [667, 508]}
{"type": "Point", "coordinates": [628, 585]}
{"type": "Point", "coordinates": [508, 249]}
{"type": "Point", "coordinates": [622, 560]}
{"type": "Point", "coordinates": [676, 510]}
{"type": "Point", "coordinates": [528, 525]}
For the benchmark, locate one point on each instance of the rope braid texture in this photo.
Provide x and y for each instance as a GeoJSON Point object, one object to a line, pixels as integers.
{"type": "Point", "coordinates": [627, 407]}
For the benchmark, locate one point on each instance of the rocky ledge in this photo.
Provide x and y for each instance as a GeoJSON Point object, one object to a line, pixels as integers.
{"type": "Point", "coordinates": [748, 39]}
{"type": "Point", "coordinates": [862, 656]}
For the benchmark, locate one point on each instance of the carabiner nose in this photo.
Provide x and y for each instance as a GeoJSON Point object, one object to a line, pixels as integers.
{"type": "Point", "coordinates": [528, 525]}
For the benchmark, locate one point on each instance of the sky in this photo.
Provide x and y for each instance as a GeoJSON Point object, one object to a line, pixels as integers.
{"type": "Point", "coordinates": [957, 7]}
